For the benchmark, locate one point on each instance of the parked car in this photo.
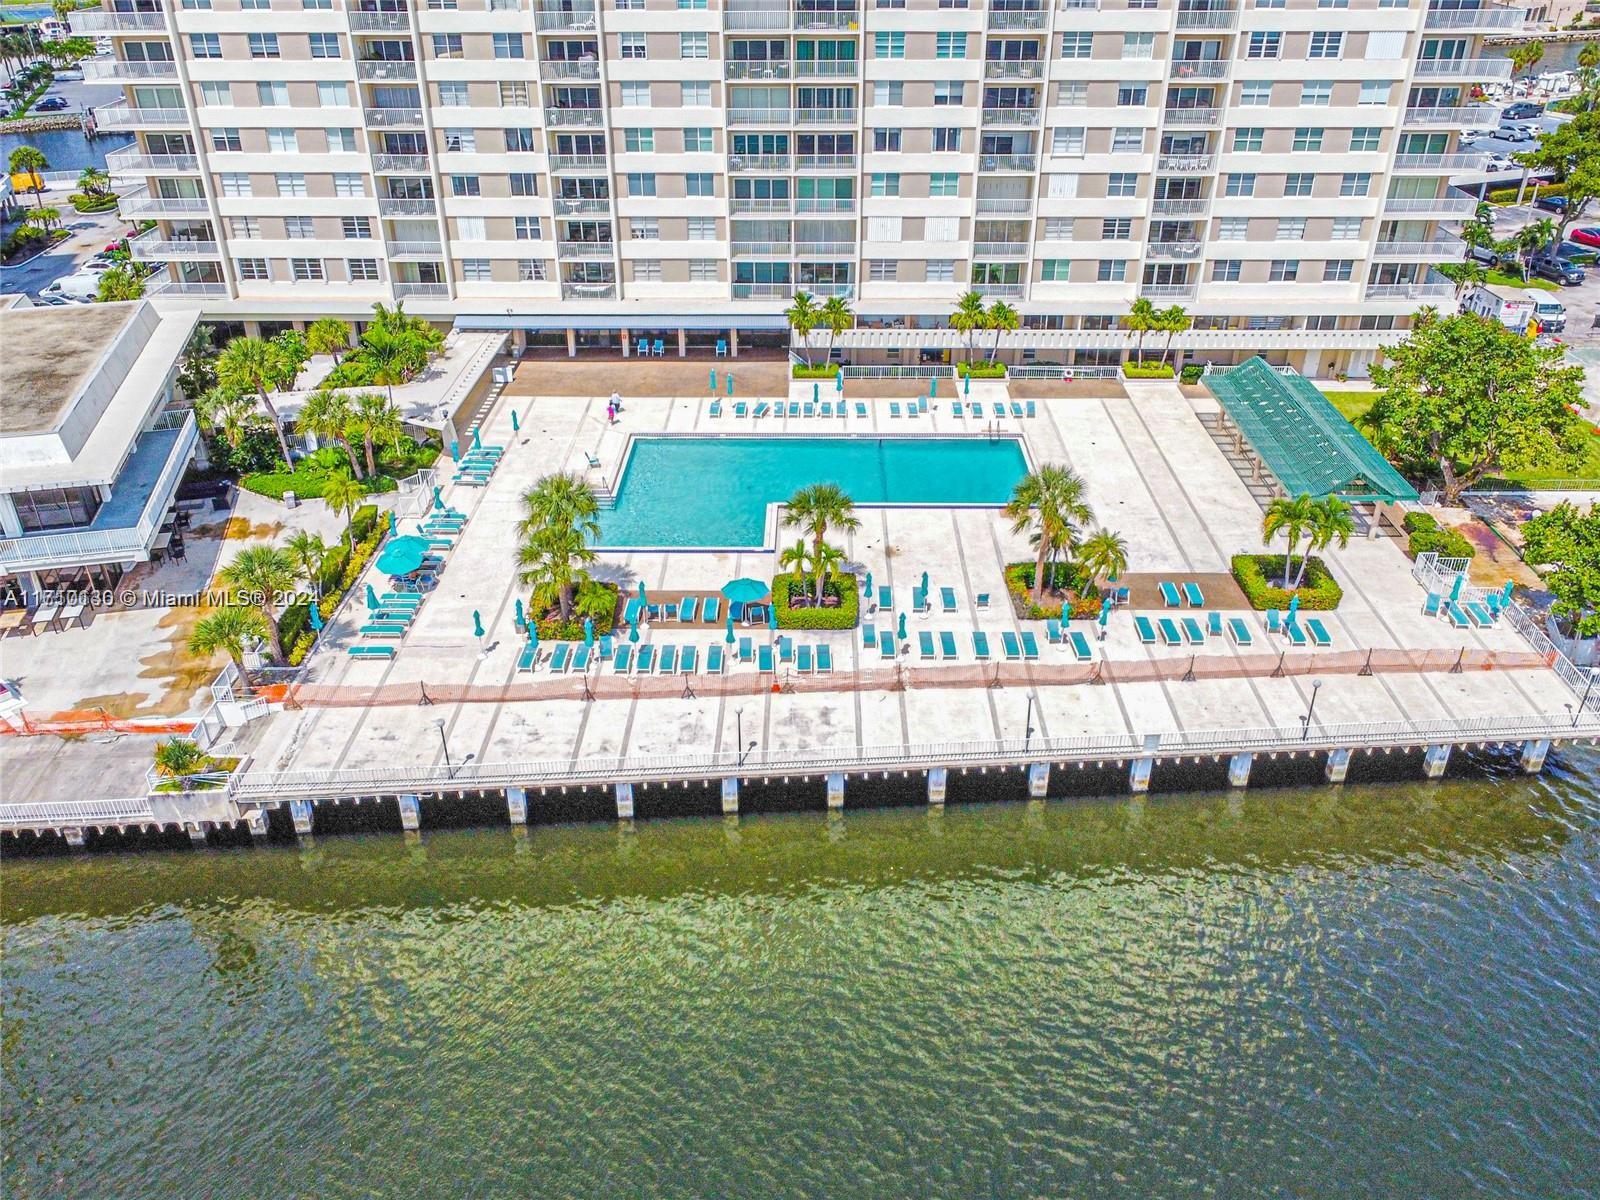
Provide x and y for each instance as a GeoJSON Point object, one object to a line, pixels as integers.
{"type": "Point", "coordinates": [1514, 133]}
{"type": "Point", "coordinates": [1572, 252]}
{"type": "Point", "coordinates": [1521, 111]}
{"type": "Point", "coordinates": [1485, 255]}
{"type": "Point", "coordinates": [68, 74]}
{"type": "Point", "coordinates": [1548, 266]}
{"type": "Point", "coordinates": [50, 104]}
{"type": "Point", "coordinates": [1555, 204]}
{"type": "Point", "coordinates": [1588, 235]}
{"type": "Point", "coordinates": [1499, 162]}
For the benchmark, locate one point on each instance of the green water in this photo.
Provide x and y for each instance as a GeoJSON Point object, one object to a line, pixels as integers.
{"type": "Point", "coordinates": [1372, 991]}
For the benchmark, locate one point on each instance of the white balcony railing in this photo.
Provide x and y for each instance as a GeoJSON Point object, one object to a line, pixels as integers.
{"type": "Point", "coordinates": [1005, 291]}
{"type": "Point", "coordinates": [823, 249]}
{"type": "Point", "coordinates": [1465, 116]}
{"type": "Point", "coordinates": [1410, 291]}
{"type": "Point", "coordinates": [768, 69]}
{"type": "Point", "coordinates": [385, 69]}
{"type": "Point", "coordinates": [758, 116]}
{"type": "Point", "coordinates": [1011, 116]}
{"type": "Point", "coordinates": [1207, 17]}
{"type": "Point", "coordinates": [1428, 163]}
{"type": "Point", "coordinates": [762, 249]}
{"type": "Point", "coordinates": [1007, 162]}
{"type": "Point", "coordinates": [136, 72]}
{"type": "Point", "coordinates": [1454, 204]}
{"type": "Point", "coordinates": [126, 116]}
{"type": "Point", "coordinates": [760, 204]}
{"type": "Point", "coordinates": [1018, 18]}
{"type": "Point", "coordinates": [1187, 207]}
{"type": "Point", "coordinates": [563, 16]}
{"type": "Point", "coordinates": [1168, 291]}
{"type": "Point", "coordinates": [1004, 204]}
{"type": "Point", "coordinates": [1000, 249]}
{"type": "Point", "coordinates": [825, 204]}
{"type": "Point", "coordinates": [582, 204]}
{"type": "Point", "coordinates": [577, 162]}
{"type": "Point", "coordinates": [1015, 68]}
{"type": "Point", "coordinates": [1475, 69]}
{"type": "Point", "coordinates": [400, 164]}
{"type": "Point", "coordinates": [762, 291]}
{"type": "Point", "coordinates": [1436, 250]}
{"type": "Point", "coordinates": [379, 22]}
{"type": "Point", "coordinates": [588, 291]}
{"type": "Point", "coordinates": [436, 290]}
{"type": "Point", "coordinates": [142, 203]}
{"type": "Point", "coordinates": [415, 251]}
{"type": "Point", "coordinates": [1172, 251]}
{"type": "Point", "coordinates": [586, 249]}
{"type": "Point", "coordinates": [587, 68]}
{"type": "Point", "coordinates": [407, 206]}
{"type": "Point", "coordinates": [759, 162]}
{"type": "Point", "coordinates": [132, 162]}
{"type": "Point", "coordinates": [1192, 116]}
{"type": "Point", "coordinates": [588, 118]}
{"type": "Point", "coordinates": [1190, 68]}
{"type": "Point", "coordinates": [1489, 17]}
{"type": "Point", "coordinates": [95, 24]}
{"type": "Point", "coordinates": [184, 287]}
{"type": "Point", "coordinates": [824, 116]}
{"type": "Point", "coordinates": [151, 247]}
{"type": "Point", "coordinates": [829, 68]}
{"type": "Point", "coordinates": [395, 118]}
{"type": "Point", "coordinates": [825, 162]}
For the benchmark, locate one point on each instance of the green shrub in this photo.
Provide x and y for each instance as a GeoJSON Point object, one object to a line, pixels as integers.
{"type": "Point", "coordinates": [815, 371]}
{"type": "Point", "coordinates": [305, 482]}
{"type": "Point", "coordinates": [1418, 521]}
{"type": "Point", "coordinates": [333, 564]}
{"type": "Point", "coordinates": [300, 647]}
{"type": "Point", "coordinates": [1257, 574]}
{"type": "Point", "coordinates": [553, 629]}
{"type": "Point", "coordinates": [1192, 373]}
{"type": "Point", "coordinates": [1082, 599]}
{"type": "Point", "coordinates": [786, 588]}
{"type": "Point", "coordinates": [294, 621]}
{"type": "Point", "coordinates": [363, 521]}
{"type": "Point", "coordinates": [1147, 370]}
{"type": "Point", "coordinates": [985, 369]}
{"type": "Point", "coordinates": [1446, 543]}
{"type": "Point", "coordinates": [1508, 195]}
{"type": "Point", "coordinates": [85, 203]}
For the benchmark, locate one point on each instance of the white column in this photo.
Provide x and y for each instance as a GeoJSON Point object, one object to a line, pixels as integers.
{"type": "Point", "coordinates": [730, 797]}
{"type": "Point", "coordinates": [1338, 766]}
{"type": "Point", "coordinates": [624, 801]}
{"type": "Point", "coordinates": [937, 779]}
{"type": "Point", "coordinates": [1239, 770]}
{"type": "Point", "coordinates": [1038, 780]}
{"type": "Point", "coordinates": [300, 810]}
{"type": "Point", "coordinates": [836, 790]}
{"type": "Point", "coordinates": [1139, 774]}
{"type": "Point", "coordinates": [1434, 761]}
{"type": "Point", "coordinates": [517, 805]}
{"type": "Point", "coordinates": [1533, 755]}
{"type": "Point", "coordinates": [410, 813]}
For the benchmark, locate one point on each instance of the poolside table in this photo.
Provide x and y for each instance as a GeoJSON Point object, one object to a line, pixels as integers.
{"type": "Point", "coordinates": [12, 618]}
{"type": "Point", "coordinates": [44, 616]}
{"type": "Point", "coordinates": [72, 613]}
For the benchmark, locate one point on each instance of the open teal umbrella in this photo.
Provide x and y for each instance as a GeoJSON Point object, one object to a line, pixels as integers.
{"type": "Point", "coordinates": [477, 624]}
{"type": "Point", "coordinates": [394, 527]}
{"type": "Point", "coordinates": [728, 637]}
{"type": "Point", "coordinates": [745, 591]}
{"type": "Point", "coordinates": [402, 555]}
{"type": "Point", "coordinates": [372, 598]}
{"type": "Point", "coordinates": [315, 613]}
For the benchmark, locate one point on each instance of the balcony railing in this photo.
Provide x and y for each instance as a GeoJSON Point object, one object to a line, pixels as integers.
{"type": "Point", "coordinates": [588, 291]}
{"type": "Point", "coordinates": [758, 116]}
{"type": "Point", "coordinates": [415, 251]}
{"type": "Point", "coordinates": [1410, 291]}
{"type": "Point", "coordinates": [755, 19]}
{"type": "Point", "coordinates": [407, 206]}
{"type": "Point", "coordinates": [150, 247]}
{"type": "Point", "coordinates": [582, 204]}
{"type": "Point", "coordinates": [382, 69]}
{"type": "Point", "coordinates": [139, 72]}
{"type": "Point", "coordinates": [1454, 204]}
{"type": "Point", "coordinates": [1429, 163]}
{"type": "Point", "coordinates": [395, 118]}
{"type": "Point", "coordinates": [400, 164]}
{"type": "Point", "coordinates": [1186, 207]}
{"type": "Point", "coordinates": [762, 249]}
{"type": "Point", "coordinates": [1476, 70]}
{"type": "Point", "coordinates": [589, 118]}
{"type": "Point", "coordinates": [559, 16]}
{"type": "Point", "coordinates": [405, 288]}
{"type": "Point", "coordinates": [848, 19]}
{"type": "Point", "coordinates": [582, 69]}
{"type": "Point", "coordinates": [379, 21]}
{"type": "Point", "coordinates": [1185, 164]}
{"type": "Point", "coordinates": [759, 162]}
{"type": "Point", "coordinates": [185, 287]}
{"type": "Point", "coordinates": [999, 290]}
{"type": "Point", "coordinates": [1490, 16]}
{"type": "Point", "coordinates": [1004, 204]}
{"type": "Point", "coordinates": [1191, 116]}
{"type": "Point", "coordinates": [586, 249]}
{"type": "Point", "coordinates": [823, 249]}
{"type": "Point", "coordinates": [1168, 291]}
{"type": "Point", "coordinates": [1197, 68]}
{"type": "Point", "coordinates": [829, 68]}
{"type": "Point", "coordinates": [1007, 162]}
{"type": "Point", "coordinates": [1437, 250]}
{"type": "Point", "coordinates": [143, 204]}
{"type": "Point", "coordinates": [1011, 116]}
{"type": "Point", "coordinates": [1015, 68]}
{"type": "Point", "coordinates": [760, 204]}
{"type": "Point", "coordinates": [94, 24]}
{"type": "Point", "coordinates": [1207, 17]}
{"type": "Point", "coordinates": [825, 204]}
{"type": "Point", "coordinates": [757, 70]}
{"type": "Point", "coordinates": [1000, 249]}
{"type": "Point", "coordinates": [1017, 18]}
{"type": "Point", "coordinates": [824, 116]}
{"type": "Point", "coordinates": [825, 162]}
{"type": "Point", "coordinates": [762, 291]}
{"type": "Point", "coordinates": [1466, 116]}
{"type": "Point", "coordinates": [1172, 251]}
{"type": "Point", "coordinates": [125, 116]}
{"type": "Point", "coordinates": [131, 162]}
{"type": "Point", "coordinates": [577, 162]}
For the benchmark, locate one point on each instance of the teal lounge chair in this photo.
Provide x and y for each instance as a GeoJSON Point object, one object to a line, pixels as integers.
{"type": "Point", "coordinates": [580, 658]}
{"type": "Point", "coordinates": [925, 644]}
{"type": "Point", "coordinates": [885, 596]}
{"type": "Point", "coordinates": [861, 409]}
{"type": "Point", "coordinates": [716, 661]}
{"type": "Point", "coordinates": [529, 655]}
{"type": "Point", "coordinates": [886, 644]}
{"type": "Point", "coordinates": [1169, 632]}
{"type": "Point", "coordinates": [827, 408]}
{"type": "Point", "coordinates": [808, 409]}
{"type": "Point", "coordinates": [1481, 616]}
{"type": "Point", "coordinates": [1296, 635]}
{"type": "Point", "coordinates": [947, 599]}
{"type": "Point", "coordinates": [1214, 624]}
{"type": "Point", "coordinates": [622, 660]}
{"type": "Point", "coordinates": [1031, 410]}
{"type": "Point", "coordinates": [1192, 633]}
{"type": "Point", "coordinates": [711, 610]}
{"type": "Point", "coordinates": [1145, 630]}
{"type": "Point", "coordinates": [689, 608]}
{"type": "Point", "coordinates": [1430, 606]}
{"type": "Point", "coordinates": [894, 408]}
{"type": "Point", "coordinates": [1193, 594]}
{"type": "Point", "coordinates": [606, 646]}
{"type": "Point", "coordinates": [764, 658]}
{"type": "Point", "coordinates": [1274, 621]}
{"type": "Point", "coordinates": [824, 659]}
{"type": "Point", "coordinates": [983, 599]}
{"type": "Point", "coordinates": [922, 404]}
{"type": "Point", "coordinates": [955, 409]}
{"type": "Point", "coordinates": [914, 409]}
{"type": "Point", "coordinates": [716, 408]}
{"type": "Point", "coordinates": [869, 636]}
{"type": "Point", "coordinates": [999, 410]}
{"type": "Point", "coordinates": [1012, 647]}
{"type": "Point", "coordinates": [1318, 632]}
{"type": "Point", "coordinates": [689, 660]}
{"type": "Point", "coordinates": [761, 410]}
{"type": "Point", "coordinates": [803, 658]}
{"type": "Point", "coordinates": [746, 650]}
{"type": "Point", "coordinates": [785, 649]}
{"type": "Point", "coordinates": [396, 599]}
{"type": "Point", "coordinates": [1016, 410]}
{"type": "Point", "coordinates": [383, 629]}
{"type": "Point", "coordinates": [947, 644]}
{"type": "Point", "coordinates": [1240, 632]}
{"type": "Point", "coordinates": [1170, 595]}
{"type": "Point", "coordinates": [794, 408]}
{"type": "Point", "coordinates": [646, 661]}
{"type": "Point", "coordinates": [1080, 646]}
{"type": "Point", "coordinates": [741, 409]}
{"type": "Point", "coordinates": [667, 664]}
{"type": "Point", "coordinates": [1030, 645]}
{"type": "Point", "coordinates": [1052, 631]}
{"type": "Point", "coordinates": [359, 651]}
{"type": "Point", "coordinates": [560, 657]}
{"type": "Point", "coordinates": [980, 645]}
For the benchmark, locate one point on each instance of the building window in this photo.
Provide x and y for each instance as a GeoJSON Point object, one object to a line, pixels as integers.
{"type": "Point", "coordinates": [885, 140]}
{"type": "Point", "coordinates": [341, 141]}
{"type": "Point", "coordinates": [1077, 45]}
{"type": "Point", "coordinates": [252, 270]}
{"type": "Point", "coordinates": [944, 183]}
{"type": "Point", "coordinates": [1225, 270]}
{"type": "Point", "coordinates": [639, 141]}
{"type": "Point", "coordinates": [527, 228]}
{"type": "Point", "coordinates": [1072, 95]}
{"type": "Point", "coordinates": [1316, 93]}
{"type": "Point", "coordinates": [1233, 229]}
{"type": "Point", "coordinates": [1365, 138]}
{"type": "Point", "coordinates": [524, 183]}
{"type": "Point", "coordinates": [448, 45]}
{"type": "Point", "coordinates": [1338, 270]}
{"type": "Point", "coordinates": [890, 94]}
{"type": "Point", "coordinates": [514, 94]}
{"type": "Point", "coordinates": [1240, 184]}
{"type": "Point", "coordinates": [1122, 183]}
{"type": "Point", "coordinates": [1307, 140]}
{"type": "Point", "coordinates": [216, 95]}
{"type": "Point", "coordinates": [1290, 229]}
{"type": "Point", "coordinates": [1374, 91]}
{"type": "Point", "coordinates": [950, 45]}
{"type": "Point", "coordinates": [1355, 183]}
{"type": "Point", "coordinates": [1055, 270]}
{"type": "Point", "coordinates": [647, 270]}
{"type": "Point", "coordinates": [641, 183]}
{"type": "Point", "coordinates": [306, 270]}
{"type": "Point", "coordinates": [1255, 93]}
{"type": "Point", "coordinates": [465, 185]}
{"type": "Point", "coordinates": [329, 95]}
{"type": "Point", "coordinates": [508, 45]}
{"type": "Point", "coordinates": [635, 94]}
{"type": "Point", "coordinates": [1127, 140]}
{"type": "Point", "coordinates": [460, 141]}
{"type": "Point", "coordinates": [698, 140]}
{"type": "Point", "coordinates": [882, 270]}
{"type": "Point", "coordinates": [1346, 229]}
{"type": "Point", "coordinates": [291, 183]}
{"type": "Point", "coordinates": [324, 45]}
{"type": "Point", "coordinates": [1264, 44]}
{"type": "Point", "coordinates": [941, 270]}
{"type": "Point", "coordinates": [885, 183]}
{"type": "Point", "coordinates": [226, 140]}
{"type": "Point", "coordinates": [633, 45]}
{"type": "Point", "coordinates": [1133, 95]}
{"type": "Point", "coordinates": [1325, 45]}
{"type": "Point", "coordinates": [644, 229]}
{"type": "Point", "coordinates": [1138, 45]}
{"type": "Point", "coordinates": [1299, 183]}
{"type": "Point", "coordinates": [272, 95]}
{"type": "Point", "coordinates": [888, 45]}
{"type": "Point", "coordinates": [1248, 139]}
{"type": "Point", "coordinates": [1112, 270]}
{"type": "Point", "coordinates": [520, 141]}
{"type": "Point", "coordinates": [1067, 141]}
{"type": "Point", "coordinates": [695, 94]}
{"type": "Point", "coordinates": [1116, 229]}
{"type": "Point", "coordinates": [348, 183]}
{"type": "Point", "coordinates": [530, 270]}
{"type": "Point", "coordinates": [948, 93]}
{"type": "Point", "coordinates": [700, 183]}
{"type": "Point", "coordinates": [205, 45]}
{"type": "Point", "coordinates": [694, 45]}
{"type": "Point", "coordinates": [947, 140]}
{"type": "Point", "coordinates": [702, 229]}
{"type": "Point", "coordinates": [355, 228]}
{"type": "Point", "coordinates": [262, 45]}
{"type": "Point", "coordinates": [703, 270]}
{"type": "Point", "coordinates": [1283, 270]}
{"type": "Point", "coordinates": [476, 270]}
{"type": "Point", "coordinates": [363, 270]}
{"type": "Point", "coordinates": [234, 183]}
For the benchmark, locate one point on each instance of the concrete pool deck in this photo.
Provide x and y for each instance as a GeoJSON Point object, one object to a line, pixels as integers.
{"type": "Point", "coordinates": [1153, 474]}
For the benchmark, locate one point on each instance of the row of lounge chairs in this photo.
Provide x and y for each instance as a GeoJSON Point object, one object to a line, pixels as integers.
{"type": "Point", "coordinates": [387, 624]}
{"type": "Point", "coordinates": [1188, 631]}
{"type": "Point", "coordinates": [1464, 614]}
{"type": "Point", "coordinates": [653, 658]}
{"type": "Point", "coordinates": [1177, 595]}
{"type": "Point", "coordinates": [1300, 631]}
{"type": "Point", "coordinates": [477, 465]}
{"type": "Point", "coordinates": [942, 645]}
{"type": "Point", "coordinates": [922, 601]}
{"type": "Point", "coordinates": [841, 408]}
{"type": "Point", "coordinates": [690, 608]}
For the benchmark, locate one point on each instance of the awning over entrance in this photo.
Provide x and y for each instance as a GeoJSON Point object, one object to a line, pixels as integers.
{"type": "Point", "coordinates": [1301, 437]}
{"type": "Point", "coordinates": [533, 322]}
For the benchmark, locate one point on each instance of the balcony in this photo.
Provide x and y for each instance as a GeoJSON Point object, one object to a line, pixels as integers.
{"type": "Point", "coordinates": [1000, 250]}
{"type": "Point", "coordinates": [762, 291]}
{"type": "Point", "coordinates": [758, 116]}
{"type": "Point", "coordinates": [760, 204]}
{"type": "Point", "coordinates": [407, 206]}
{"type": "Point", "coordinates": [1208, 17]}
{"type": "Point", "coordinates": [400, 164]}
{"type": "Point", "coordinates": [143, 204]}
{"type": "Point", "coordinates": [395, 118]}
{"type": "Point", "coordinates": [379, 22]}
{"type": "Point", "coordinates": [1198, 68]}
{"type": "Point", "coordinates": [98, 24]}
{"type": "Point", "coordinates": [577, 205]}
{"type": "Point", "coordinates": [807, 19]}
{"type": "Point", "coordinates": [125, 116]}
{"type": "Point", "coordinates": [757, 70]}
{"type": "Point", "coordinates": [1168, 291]}
{"type": "Point", "coordinates": [1466, 116]}
{"type": "Point", "coordinates": [1028, 117]}
{"type": "Point", "coordinates": [1018, 18]}
{"type": "Point", "coordinates": [825, 204]}
{"type": "Point", "coordinates": [1470, 70]}
{"type": "Point", "coordinates": [149, 247]}
{"type": "Point", "coordinates": [762, 249]}
{"type": "Point", "coordinates": [999, 291]}
{"type": "Point", "coordinates": [582, 69]}
{"type": "Point", "coordinates": [1437, 250]}
{"type": "Point", "coordinates": [826, 162]}
{"type": "Point", "coordinates": [586, 249]}
{"type": "Point", "coordinates": [1016, 68]}
{"type": "Point", "coordinates": [577, 162]}
{"type": "Point", "coordinates": [824, 116]}
{"type": "Point", "coordinates": [1004, 204]}
{"type": "Point", "coordinates": [438, 291]}
{"type": "Point", "coordinates": [833, 68]}
{"type": "Point", "coordinates": [563, 16]}
{"type": "Point", "coordinates": [1489, 17]}
{"type": "Point", "coordinates": [415, 251]}
{"type": "Point", "coordinates": [1455, 204]}
{"type": "Point", "coordinates": [1187, 207]}
{"type": "Point", "coordinates": [134, 72]}
{"type": "Point", "coordinates": [588, 291]}
{"type": "Point", "coordinates": [1172, 251]}
{"type": "Point", "coordinates": [1430, 292]}
{"type": "Point", "coordinates": [759, 162]}
{"type": "Point", "coordinates": [1186, 164]}
{"type": "Point", "coordinates": [132, 162]}
{"type": "Point", "coordinates": [588, 118]}
{"type": "Point", "coordinates": [184, 287]}
{"type": "Point", "coordinates": [1191, 117]}
{"type": "Point", "coordinates": [1007, 162]}
{"type": "Point", "coordinates": [385, 69]}
{"type": "Point", "coordinates": [1437, 164]}
{"type": "Point", "coordinates": [824, 249]}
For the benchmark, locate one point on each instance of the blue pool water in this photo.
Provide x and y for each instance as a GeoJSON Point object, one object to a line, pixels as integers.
{"type": "Point", "coordinates": [715, 491]}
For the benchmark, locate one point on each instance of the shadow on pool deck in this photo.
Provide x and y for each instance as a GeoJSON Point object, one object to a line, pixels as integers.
{"type": "Point", "coordinates": [649, 377]}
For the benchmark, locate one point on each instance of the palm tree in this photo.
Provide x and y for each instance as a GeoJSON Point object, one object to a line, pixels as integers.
{"type": "Point", "coordinates": [377, 420]}
{"type": "Point", "coordinates": [1464, 274]}
{"type": "Point", "coordinates": [1290, 517]}
{"type": "Point", "coordinates": [393, 357]}
{"type": "Point", "coordinates": [561, 521]}
{"type": "Point", "coordinates": [94, 182]}
{"type": "Point", "coordinates": [796, 558]}
{"type": "Point", "coordinates": [816, 509]}
{"type": "Point", "coordinates": [1172, 321]}
{"type": "Point", "coordinates": [1103, 553]}
{"type": "Point", "coordinates": [231, 628]}
{"type": "Point", "coordinates": [328, 416]}
{"type": "Point", "coordinates": [225, 413]}
{"type": "Point", "coordinates": [836, 315]}
{"type": "Point", "coordinates": [293, 354]}
{"type": "Point", "coordinates": [1142, 318]}
{"type": "Point", "coordinates": [1526, 56]}
{"type": "Point", "coordinates": [1531, 239]}
{"type": "Point", "coordinates": [803, 316]}
{"type": "Point", "coordinates": [117, 284]}
{"type": "Point", "coordinates": [1001, 318]}
{"type": "Point", "coordinates": [1332, 520]}
{"type": "Point", "coordinates": [328, 335]}
{"type": "Point", "coordinates": [30, 160]}
{"type": "Point", "coordinates": [178, 758]}
{"type": "Point", "coordinates": [968, 317]}
{"type": "Point", "coordinates": [1478, 233]}
{"type": "Point", "coordinates": [253, 365]}
{"type": "Point", "coordinates": [344, 493]}
{"type": "Point", "coordinates": [259, 576]}
{"type": "Point", "coordinates": [1050, 501]}
{"type": "Point", "coordinates": [308, 552]}
{"type": "Point", "coordinates": [47, 217]}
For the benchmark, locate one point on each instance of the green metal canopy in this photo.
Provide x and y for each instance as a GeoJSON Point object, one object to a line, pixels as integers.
{"type": "Point", "coordinates": [1301, 437]}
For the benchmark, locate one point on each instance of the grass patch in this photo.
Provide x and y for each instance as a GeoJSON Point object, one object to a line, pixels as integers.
{"type": "Point", "coordinates": [1514, 279]}
{"type": "Point", "coordinates": [1352, 405]}
{"type": "Point", "coordinates": [311, 474]}
{"type": "Point", "coordinates": [815, 371]}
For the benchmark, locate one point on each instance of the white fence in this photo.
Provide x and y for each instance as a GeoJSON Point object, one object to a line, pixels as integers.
{"type": "Point", "coordinates": [911, 371]}
{"type": "Point", "coordinates": [414, 493]}
{"type": "Point", "coordinates": [75, 812]}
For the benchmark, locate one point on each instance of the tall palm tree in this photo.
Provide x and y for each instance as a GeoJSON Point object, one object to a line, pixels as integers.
{"type": "Point", "coordinates": [1332, 520]}
{"type": "Point", "coordinates": [30, 160]}
{"type": "Point", "coordinates": [1526, 56]}
{"type": "Point", "coordinates": [47, 217]}
{"type": "Point", "coordinates": [1464, 275]}
{"type": "Point", "coordinates": [1050, 502]}
{"type": "Point", "coordinates": [328, 416]}
{"type": "Point", "coordinates": [308, 552]}
{"type": "Point", "coordinates": [1143, 317]}
{"type": "Point", "coordinates": [836, 315]}
{"type": "Point", "coordinates": [561, 520]}
{"type": "Point", "coordinates": [226, 414]}
{"type": "Point", "coordinates": [817, 509]}
{"type": "Point", "coordinates": [231, 629]}
{"type": "Point", "coordinates": [1290, 516]}
{"type": "Point", "coordinates": [118, 284]}
{"type": "Point", "coordinates": [1001, 318]}
{"type": "Point", "coordinates": [260, 576]}
{"type": "Point", "coordinates": [803, 316]}
{"type": "Point", "coordinates": [796, 558]}
{"type": "Point", "coordinates": [344, 493]}
{"type": "Point", "coordinates": [968, 317]}
{"type": "Point", "coordinates": [253, 365]}
{"type": "Point", "coordinates": [377, 420]}
{"type": "Point", "coordinates": [393, 357]}
{"type": "Point", "coordinates": [1103, 554]}
{"type": "Point", "coordinates": [328, 335]}
{"type": "Point", "coordinates": [1172, 321]}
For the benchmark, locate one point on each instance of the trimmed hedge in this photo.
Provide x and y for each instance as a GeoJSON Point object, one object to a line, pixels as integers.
{"type": "Point", "coordinates": [815, 371]}
{"type": "Point", "coordinates": [1509, 195]}
{"type": "Point", "coordinates": [843, 616]}
{"type": "Point", "coordinates": [553, 629]}
{"type": "Point", "coordinates": [1428, 536]}
{"type": "Point", "coordinates": [983, 369]}
{"type": "Point", "coordinates": [1147, 370]}
{"type": "Point", "coordinates": [1192, 373]}
{"type": "Point", "coordinates": [1080, 601]}
{"type": "Point", "coordinates": [1255, 573]}
{"type": "Point", "coordinates": [86, 203]}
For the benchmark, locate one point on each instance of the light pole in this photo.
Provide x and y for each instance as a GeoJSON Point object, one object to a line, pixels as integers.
{"type": "Point", "coordinates": [1027, 724]}
{"type": "Point", "coordinates": [449, 767]}
{"type": "Point", "coordinates": [738, 725]}
{"type": "Point", "coordinates": [1584, 703]}
{"type": "Point", "coordinates": [1305, 721]}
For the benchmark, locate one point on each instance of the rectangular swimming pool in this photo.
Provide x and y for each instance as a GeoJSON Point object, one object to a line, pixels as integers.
{"type": "Point", "coordinates": [714, 492]}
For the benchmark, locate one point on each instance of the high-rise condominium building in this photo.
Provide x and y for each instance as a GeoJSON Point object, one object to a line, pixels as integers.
{"type": "Point", "coordinates": [1268, 164]}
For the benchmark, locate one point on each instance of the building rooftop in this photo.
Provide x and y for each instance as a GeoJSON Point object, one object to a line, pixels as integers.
{"type": "Point", "coordinates": [50, 354]}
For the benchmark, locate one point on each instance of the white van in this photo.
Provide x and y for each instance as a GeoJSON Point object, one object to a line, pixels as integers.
{"type": "Point", "coordinates": [1549, 312]}
{"type": "Point", "coordinates": [1510, 306]}
{"type": "Point", "coordinates": [81, 288]}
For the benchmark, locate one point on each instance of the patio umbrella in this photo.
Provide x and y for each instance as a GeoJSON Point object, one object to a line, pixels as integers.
{"type": "Point", "coordinates": [588, 631]}
{"type": "Point", "coordinates": [1105, 609]}
{"type": "Point", "coordinates": [745, 591]}
{"type": "Point", "coordinates": [1505, 594]}
{"type": "Point", "coordinates": [816, 392]}
{"type": "Point", "coordinates": [966, 385]}
{"type": "Point", "coordinates": [477, 624]}
{"type": "Point", "coordinates": [713, 379]}
{"type": "Point", "coordinates": [515, 424]}
{"type": "Point", "coordinates": [455, 449]}
{"type": "Point", "coordinates": [533, 636]}
{"type": "Point", "coordinates": [1294, 605]}
{"type": "Point", "coordinates": [772, 617]}
{"type": "Point", "coordinates": [372, 598]}
{"type": "Point", "coordinates": [730, 383]}
{"type": "Point", "coordinates": [866, 584]}
{"type": "Point", "coordinates": [394, 526]}
{"type": "Point", "coordinates": [933, 386]}
{"type": "Point", "coordinates": [521, 620]}
{"type": "Point", "coordinates": [902, 627]}
{"type": "Point", "coordinates": [838, 381]}
{"type": "Point", "coordinates": [477, 443]}
{"type": "Point", "coordinates": [728, 637]}
{"type": "Point", "coordinates": [633, 633]}
{"type": "Point", "coordinates": [402, 555]}
{"type": "Point", "coordinates": [1455, 588]}
{"type": "Point", "coordinates": [924, 583]}
{"type": "Point", "coordinates": [438, 498]}
{"type": "Point", "coordinates": [316, 617]}
{"type": "Point", "coordinates": [641, 589]}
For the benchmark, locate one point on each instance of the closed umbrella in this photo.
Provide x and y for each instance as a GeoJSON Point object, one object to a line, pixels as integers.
{"type": "Point", "coordinates": [713, 379]}
{"type": "Point", "coordinates": [641, 589]}
{"type": "Point", "coordinates": [1455, 588]}
{"type": "Point", "coordinates": [477, 624]}
{"type": "Point", "coordinates": [933, 386]}
{"type": "Point", "coordinates": [902, 627]}
{"type": "Point", "coordinates": [1505, 593]}
{"type": "Point", "coordinates": [1294, 605]}
{"type": "Point", "coordinates": [966, 385]}
{"type": "Point", "coordinates": [924, 583]}
{"type": "Point", "coordinates": [1105, 609]}
{"type": "Point", "coordinates": [633, 633]}
{"type": "Point", "coordinates": [772, 617]}
{"type": "Point", "coordinates": [838, 381]}
{"type": "Point", "coordinates": [728, 637]}
{"type": "Point", "coordinates": [521, 620]}
{"type": "Point", "coordinates": [515, 424]}
{"type": "Point", "coordinates": [866, 584]}
{"type": "Point", "coordinates": [816, 389]}
{"type": "Point", "coordinates": [533, 638]}
{"type": "Point", "coordinates": [402, 555]}
{"type": "Point", "coordinates": [588, 631]}
{"type": "Point", "coordinates": [372, 598]}
{"type": "Point", "coordinates": [477, 443]}
{"type": "Point", "coordinates": [455, 449]}
{"type": "Point", "coordinates": [394, 528]}
{"type": "Point", "coordinates": [316, 617]}
{"type": "Point", "coordinates": [438, 498]}
{"type": "Point", "coordinates": [730, 383]}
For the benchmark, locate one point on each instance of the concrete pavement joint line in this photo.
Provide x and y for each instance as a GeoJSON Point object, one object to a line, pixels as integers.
{"type": "Point", "coordinates": [1033, 686]}
{"type": "Point", "coordinates": [972, 612]}
{"type": "Point", "coordinates": [1179, 543]}
{"type": "Point", "coordinates": [894, 629]}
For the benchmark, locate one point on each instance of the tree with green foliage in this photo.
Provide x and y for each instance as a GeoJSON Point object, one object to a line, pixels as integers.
{"type": "Point", "coordinates": [796, 558]}
{"type": "Point", "coordinates": [92, 181]}
{"type": "Point", "coordinates": [1465, 275]}
{"type": "Point", "coordinates": [1103, 555]}
{"type": "Point", "coordinates": [226, 414]}
{"type": "Point", "coordinates": [254, 365]}
{"type": "Point", "coordinates": [1332, 520]}
{"type": "Point", "coordinates": [30, 160]}
{"type": "Point", "coordinates": [838, 317]}
{"type": "Point", "coordinates": [1001, 318]}
{"type": "Point", "coordinates": [261, 577]}
{"type": "Point", "coordinates": [232, 629]}
{"type": "Point", "coordinates": [329, 416]}
{"type": "Point", "coordinates": [1567, 541]}
{"type": "Point", "coordinates": [1570, 152]}
{"type": "Point", "coordinates": [1464, 395]}
{"type": "Point", "coordinates": [328, 335]}
{"type": "Point", "coordinates": [1525, 56]}
{"type": "Point", "coordinates": [561, 521]}
{"type": "Point", "coordinates": [1172, 321]}
{"type": "Point", "coordinates": [1142, 318]}
{"type": "Point", "coordinates": [293, 355]}
{"type": "Point", "coordinates": [179, 758]}
{"type": "Point", "coordinates": [1290, 516]}
{"type": "Point", "coordinates": [803, 316]}
{"type": "Point", "coordinates": [1050, 502]}
{"type": "Point", "coordinates": [119, 283]}
{"type": "Point", "coordinates": [47, 217]}
{"type": "Point", "coordinates": [376, 420]}
{"type": "Point", "coordinates": [816, 509]}
{"type": "Point", "coordinates": [344, 493]}
{"type": "Point", "coordinates": [308, 552]}
{"type": "Point", "coordinates": [969, 316]}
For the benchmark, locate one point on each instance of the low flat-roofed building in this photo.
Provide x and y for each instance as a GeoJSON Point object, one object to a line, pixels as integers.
{"type": "Point", "coordinates": [93, 441]}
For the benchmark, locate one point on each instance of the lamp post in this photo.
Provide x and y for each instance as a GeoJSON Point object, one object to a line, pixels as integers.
{"type": "Point", "coordinates": [449, 767]}
{"type": "Point", "coordinates": [1305, 721]}
{"type": "Point", "coordinates": [1027, 724]}
{"type": "Point", "coordinates": [1584, 703]}
{"type": "Point", "coordinates": [738, 725]}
